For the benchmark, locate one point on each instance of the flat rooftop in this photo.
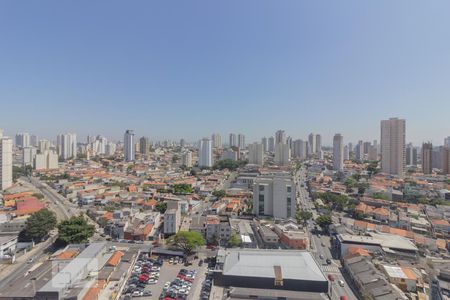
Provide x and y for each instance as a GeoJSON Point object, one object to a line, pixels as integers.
{"type": "Point", "coordinates": [384, 240]}
{"type": "Point", "coordinates": [293, 264]}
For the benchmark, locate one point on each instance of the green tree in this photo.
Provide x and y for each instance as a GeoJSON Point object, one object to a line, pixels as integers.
{"type": "Point", "coordinates": [234, 241]}
{"type": "Point", "coordinates": [161, 207]}
{"type": "Point", "coordinates": [38, 226]}
{"type": "Point", "coordinates": [302, 216]}
{"type": "Point", "coordinates": [219, 194]}
{"type": "Point", "coordinates": [187, 241]}
{"type": "Point", "coordinates": [226, 164]}
{"type": "Point", "coordinates": [75, 230]}
{"type": "Point", "coordinates": [324, 221]}
{"type": "Point", "coordinates": [182, 188]}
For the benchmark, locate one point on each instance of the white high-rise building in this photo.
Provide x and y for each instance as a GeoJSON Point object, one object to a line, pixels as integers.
{"type": "Point", "coordinates": [393, 146]}
{"type": "Point", "coordinates": [230, 154]}
{"type": "Point", "coordinates": [359, 151]}
{"type": "Point", "coordinates": [43, 145]}
{"type": "Point", "coordinates": [67, 145]}
{"type": "Point", "coordinates": [28, 154]}
{"type": "Point", "coordinates": [256, 154]}
{"type": "Point", "coordinates": [282, 154]}
{"type": "Point", "coordinates": [46, 161]}
{"type": "Point", "coordinates": [233, 141]}
{"type": "Point", "coordinates": [338, 152]}
{"type": "Point", "coordinates": [34, 140]}
{"type": "Point", "coordinates": [300, 149]}
{"type": "Point", "coordinates": [22, 140]}
{"type": "Point", "coordinates": [205, 158]}
{"type": "Point", "coordinates": [447, 142]}
{"type": "Point", "coordinates": [217, 140]}
{"type": "Point", "coordinates": [265, 144]}
{"type": "Point", "coordinates": [241, 141]}
{"type": "Point", "coordinates": [312, 143]}
{"type": "Point", "coordinates": [128, 145]}
{"type": "Point", "coordinates": [110, 149]}
{"type": "Point", "coordinates": [346, 152]}
{"type": "Point", "coordinates": [280, 137]}
{"type": "Point", "coordinates": [186, 159]}
{"type": "Point", "coordinates": [6, 161]}
{"type": "Point", "coordinates": [274, 195]}
{"type": "Point", "coordinates": [271, 144]}
{"type": "Point", "coordinates": [318, 145]}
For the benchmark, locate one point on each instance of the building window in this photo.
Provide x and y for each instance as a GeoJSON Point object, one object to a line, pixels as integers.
{"type": "Point", "coordinates": [289, 206]}
{"type": "Point", "coordinates": [289, 188]}
{"type": "Point", "coordinates": [261, 205]}
{"type": "Point", "coordinates": [261, 188]}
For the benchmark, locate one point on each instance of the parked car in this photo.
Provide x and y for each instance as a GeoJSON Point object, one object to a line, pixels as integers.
{"type": "Point", "coordinates": [330, 277]}
{"type": "Point", "coordinates": [341, 283]}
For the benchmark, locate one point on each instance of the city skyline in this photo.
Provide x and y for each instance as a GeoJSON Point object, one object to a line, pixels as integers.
{"type": "Point", "coordinates": [167, 71]}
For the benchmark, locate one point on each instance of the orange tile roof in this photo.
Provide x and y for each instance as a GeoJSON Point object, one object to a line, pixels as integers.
{"type": "Point", "coordinates": [67, 254]}
{"type": "Point", "coordinates": [94, 290]}
{"type": "Point", "coordinates": [107, 216]}
{"type": "Point", "coordinates": [114, 260]}
{"type": "Point", "coordinates": [441, 244]}
{"type": "Point", "coordinates": [409, 273]}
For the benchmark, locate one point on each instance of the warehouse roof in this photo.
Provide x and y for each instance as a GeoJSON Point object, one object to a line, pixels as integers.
{"type": "Point", "coordinates": [291, 264]}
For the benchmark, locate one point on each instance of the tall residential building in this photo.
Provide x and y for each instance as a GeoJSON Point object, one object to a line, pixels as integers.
{"type": "Point", "coordinates": [265, 143]}
{"type": "Point", "coordinates": [43, 145]}
{"type": "Point", "coordinates": [359, 151]}
{"type": "Point", "coordinates": [6, 162]}
{"type": "Point", "coordinates": [312, 143]}
{"type": "Point", "coordinates": [282, 154]}
{"type": "Point", "coordinates": [186, 159]}
{"type": "Point", "coordinates": [67, 145]}
{"type": "Point", "coordinates": [372, 154]}
{"type": "Point", "coordinates": [256, 154]}
{"type": "Point", "coordinates": [274, 195]}
{"type": "Point", "coordinates": [346, 152]}
{"type": "Point", "coordinates": [182, 143]}
{"type": "Point", "coordinates": [447, 142]}
{"type": "Point", "coordinates": [271, 144]}
{"type": "Point", "coordinates": [411, 155]}
{"type": "Point", "coordinates": [46, 161]}
{"type": "Point", "coordinates": [232, 141]}
{"type": "Point", "coordinates": [34, 140]}
{"type": "Point", "coordinates": [110, 149]}
{"type": "Point", "coordinates": [280, 137]}
{"type": "Point", "coordinates": [217, 140]}
{"type": "Point", "coordinates": [128, 145]}
{"type": "Point", "coordinates": [318, 144]}
{"type": "Point", "coordinates": [144, 145]}
{"type": "Point", "coordinates": [28, 154]}
{"type": "Point", "coordinates": [241, 141]}
{"type": "Point", "coordinates": [231, 153]}
{"type": "Point", "coordinates": [338, 152]}
{"type": "Point", "coordinates": [300, 149]}
{"type": "Point", "coordinates": [22, 140]}
{"type": "Point", "coordinates": [205, 158]}
{"type": "Point", "coordinates": [393, 146]}
{"type": "Point", "coordinates": [446, 160]}
{"type": "Point", "coordinates": [427, 152]}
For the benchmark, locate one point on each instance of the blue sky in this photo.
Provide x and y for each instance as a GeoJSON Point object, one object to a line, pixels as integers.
{"type": "Point", "coordinates": [189, 68]}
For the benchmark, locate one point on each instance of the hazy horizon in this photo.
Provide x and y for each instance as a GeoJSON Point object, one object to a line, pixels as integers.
{"type": "Point", "coordinates": [251, 67]}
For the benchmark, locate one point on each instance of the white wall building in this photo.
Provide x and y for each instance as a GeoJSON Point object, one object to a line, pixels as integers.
{"type": "Point", "coordinates": [6, 161]}
{"type": "Point", "coordinates": [271, 144]}
{"type": "Point", "coordinates": [241, 141]}
{"type": "Point", "coordinates": [22, 140]}
{"type": "Point", "coordinates": [256, 154]}
{"type": "Point", "coordinates": [128, 145]}
{"type": "Point", "coordinates": [338, 152]}
{"type": "Point", "coordinates": [217, 140]}
{"type": "Point", "coordinates": [67, 145]}
{"type": "Point", "coordinates": [186, 159]}
{"type": "Point", "coordinates": [232, 141]}
{"type": "Point", "coordinates": [28, 154]}
{"type": "Point", "coordinates": [282, 154]}
{"type": "Point", "coordinates": [393, 158]}
{"type": "Point", "coordinates": [274, 195]}
{"type": "Point", "coordinates": [265, 143]}
{"type": "Point", "coordinates": [205, 158]}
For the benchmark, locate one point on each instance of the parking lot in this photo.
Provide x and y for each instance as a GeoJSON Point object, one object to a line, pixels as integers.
{"type": "Point", "coordinates": [166, 275]}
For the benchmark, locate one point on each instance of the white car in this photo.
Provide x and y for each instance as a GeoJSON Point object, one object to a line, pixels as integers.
{"type": "Point", "coordinates": [153, 281]}
{"type": "Point", "coordinates": [341, 283]}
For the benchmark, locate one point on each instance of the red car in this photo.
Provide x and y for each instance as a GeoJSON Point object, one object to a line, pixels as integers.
{"type": "Point", "coordinates": [331, 278]}
{"type": "Point", "coordinates": [343, 298]}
